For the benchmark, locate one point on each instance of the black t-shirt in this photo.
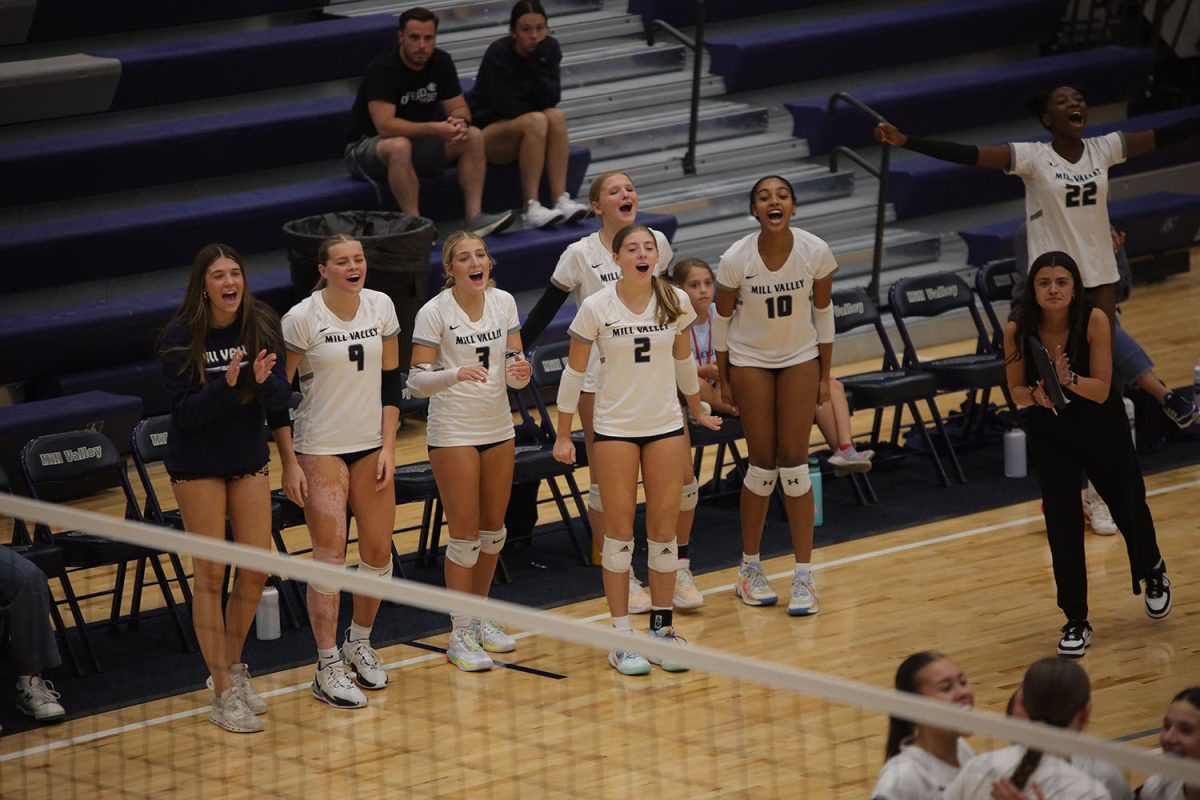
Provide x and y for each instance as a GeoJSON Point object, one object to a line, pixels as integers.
{"type": "Point", "coordinates": [417, 94]}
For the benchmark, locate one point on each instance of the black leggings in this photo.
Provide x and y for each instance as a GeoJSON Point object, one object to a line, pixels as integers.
{"type": "Point", "coordinates": [1099, 444]}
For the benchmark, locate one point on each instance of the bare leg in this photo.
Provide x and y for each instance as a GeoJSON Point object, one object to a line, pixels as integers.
{"type": "Point", "coordinates": [396, 152]}
{"type": "Point", "coordinates": [472, 170]}
{"type": "Point", "coordinates": [250, 516]}
{"type": "Point", "coordinates": [796, 390]}
{"type": "Point", "coordinates": [558, 148]}
{"type": "Point", "coordinates": [375, 516]}
{"type": "Point", "coordinates": [616, 469]}
{"type": "Point", "coordinates": [202, 503]}
{"type": "Point", "coordinates": [325, 514]}
{"type": "Point", "coordinates": [660, 479]}
{"type": "Point", "coordinates": [754, 390]}
{"type": "Point", "coordinates": [495, 487]}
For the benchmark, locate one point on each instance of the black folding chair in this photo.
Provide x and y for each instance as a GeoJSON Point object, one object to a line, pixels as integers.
{"type": "Point", "coordinates": [891, 386]}
{"type": "Point", "coordinates": [76, 465]}
{"type": "Point", "coordinates": [994, 283]}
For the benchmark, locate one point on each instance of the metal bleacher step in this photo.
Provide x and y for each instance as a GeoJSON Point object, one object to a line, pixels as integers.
{"type": "Point", "coordinates": [666, 128]}
{"type": "Point", "coordinates": [456, 15]}
{"type": "Point", "coordinates": [724, 195]}
{"type": "Point", "coordinates": [631, 93]}
{"type": "Point", "coordinates": [609, 60]}
{"type": "Point", "coordinates": [752, 152]}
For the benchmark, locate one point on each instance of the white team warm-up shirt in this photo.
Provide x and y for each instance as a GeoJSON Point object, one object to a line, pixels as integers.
{"type": "Point", "coordinates": [1066, 204]}
{"type": "Point", "coordinates": [469, 413]}
{"type": "Point", "coordinates": [636, 392]}
{"type": "Point", "coordinates": [772, 324]}
{"type": "Point", "coordinates": [914, 774]}
{"type": "Point", "coordinates": [341, 373]}
{"type": "Point", "coordinates": [1159, 788]}
{"type": "Point", "coordinates": [1056, 777]}
{"type": "Point", "coordinates": [586, 267]}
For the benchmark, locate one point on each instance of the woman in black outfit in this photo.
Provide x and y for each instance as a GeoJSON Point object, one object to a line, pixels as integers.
{"type": "Point", "coordinates": [513, 102]}
{"type": "Point", "coordinates": [224, 378]}
{"type": "Point", "coordinates": [1091, 433]}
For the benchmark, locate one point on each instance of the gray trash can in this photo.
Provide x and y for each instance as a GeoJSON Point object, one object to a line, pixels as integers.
{"type": "Point", "coordinates": [397, 247]}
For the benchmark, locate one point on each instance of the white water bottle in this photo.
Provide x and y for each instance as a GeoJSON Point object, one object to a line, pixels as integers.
{"type": "Point", "coordinates": [1014, 454]}
{"type": "Point", "coordinates": [1130, 413]}
{"type": "Point", "coordinates": [266, 619]}
{"type": "Point", "coordinates": [1196, 384]}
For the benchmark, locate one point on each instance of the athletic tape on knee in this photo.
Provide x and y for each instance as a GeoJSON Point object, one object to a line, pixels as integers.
{"type": "Point", "coordinates": [796, 482]}
{"type": "Point", "coordinates": [760, 481]}
{"type": "Point", "coordinates": [321, 588]}
{"type": "Point", "coordinates": [617, 556]}
{"type": "Point", "coordinates": [664, 556]}
{"type": "Point", "coordinates": [690, 495]}
{"type": "Point", "coordinates": [464, 552]}
{"type": "Point", "coordinates": [383, 572]}
{"type": "Point", "coordinates": [492, 542]}
{"type": "Point", "coordinates": [594, 502]}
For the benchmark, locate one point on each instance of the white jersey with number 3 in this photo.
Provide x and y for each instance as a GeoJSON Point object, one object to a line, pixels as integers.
{"type": "Point", "coordinates": [341, 373]}
{"type": "Point", "coordinates": [1066, 204]}
{"type": "Point", "coordinates": [636, 392]}
{"type": "Point", "coordinates": [772, 323]}
{"type": "Point", "coordinates": [469, 413]}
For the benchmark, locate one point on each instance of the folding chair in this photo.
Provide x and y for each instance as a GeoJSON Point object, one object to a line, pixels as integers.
{"type": "Point", "coordinates": [891, 386]}
{"type": "Point", "coordinates": [64, 467]}
{"type": "Point", "coordinates": [994, 283]}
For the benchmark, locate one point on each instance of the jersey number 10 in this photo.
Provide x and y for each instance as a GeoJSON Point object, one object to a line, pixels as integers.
{"type": "Point", "coordinates": [780, 306]}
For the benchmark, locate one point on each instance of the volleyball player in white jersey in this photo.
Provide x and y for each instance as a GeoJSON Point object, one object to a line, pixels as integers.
{"type": "Point", "coordinates": [639, 327]}
{"type": "Point", "coordinates": [1066, 181]}
{"type": "Point", "coordinates": [584, 268]}
{"type": "Point", "coordinates": [342, 340]}
{"type": "Point", "coordinates": [1179, 736]}
{"type": "Point", "coordinates": [773, 332]}
{"type": "Point", "coordinates": [460, 360]}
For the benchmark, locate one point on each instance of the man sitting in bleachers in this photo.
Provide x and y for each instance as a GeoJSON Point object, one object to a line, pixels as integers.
{"type": "Point", "coordinates": [394, 133]}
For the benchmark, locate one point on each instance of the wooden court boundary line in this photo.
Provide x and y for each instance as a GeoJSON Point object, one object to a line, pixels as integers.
{"type": "Point", "coordinates": [163, 719]}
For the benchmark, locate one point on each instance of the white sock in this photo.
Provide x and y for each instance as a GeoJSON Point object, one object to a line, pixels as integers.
{"type": "Point", "coordinates": [461, 620]}
{"type": "Point", "coordinates": [359, 633]}
{"type": "Point", "coordinates": [622, 623]}
{"type": "Point", "coordinates": [327, 656]}
{"type": "Point", "coordinates": [804, 570]}
{"type": "Point", "coordinates": [748, 559]}
{"type": "Point", "coordinates": [685, 563]}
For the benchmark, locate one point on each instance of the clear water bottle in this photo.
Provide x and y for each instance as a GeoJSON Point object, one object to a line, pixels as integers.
{"type": "Point", "coordinates": [1014, 454]}
{"type": "Point", "coordinates": [814, 475]}
{"type": "Point", "coordinates": [1130, 414]}
{"type": "Point", "coordinates": [266, 619]}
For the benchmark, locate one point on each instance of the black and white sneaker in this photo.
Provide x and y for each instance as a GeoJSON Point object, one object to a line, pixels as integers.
{"type": "Point", "coordinates": [1178, 410]}
{"type": "Point", "coordinates": [333, 684]}
{"type": "Point", "coordinates": [1158, 594]}
{"type": "Point", "coordinates": [1076, 636]}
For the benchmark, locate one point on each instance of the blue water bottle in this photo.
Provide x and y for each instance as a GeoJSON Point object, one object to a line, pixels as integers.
{"type": "Point", "coordinates": [814, 475]}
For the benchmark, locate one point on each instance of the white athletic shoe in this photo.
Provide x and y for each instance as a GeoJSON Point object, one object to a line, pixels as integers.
{"type": "Point", "coordinates": [494, 639]}
{"type": "Point", "coordinates": [851, 461]}
{"type": "Point", "coordinates": [804, 601]}
{"type": "Point", "coordinates": [686, 593]}
{"type": "Point", "coordinates": [628, 662]}
{"type": "Point", "coordinates": [465, 652]}
{"type": "Point", "coordinates": [753, 588]}
{"type": "Point", "coordinates": [365, 663]}
{"type": "Point", "coordinates": [229, 711]}
{"type": "Point", "coordinates": [1076, 636]}
{"type": "Point", "coordinates": [570, 210]}
{"type": "Point", "coordinates": [1158, 594]}
{"type": "Point", "coordinates": [667, 635]}
{"type": "Point", "coordinates": [639, 598]}
{"type": "Point", "coordinates": [241, 681]}
{"type": "Point", "coordinates": [538, 216]}
{"type": "Point", "coordinates": [333, 684]}
{"type": "Point", "coordinates": [38, 699]}
{"type": "Point", "coordinates": [1097, 513]}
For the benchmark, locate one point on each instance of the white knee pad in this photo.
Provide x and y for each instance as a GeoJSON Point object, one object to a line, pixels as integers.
{"type": "Point", "coordinates": [664, 556]}
{"type": "Point", "coordinates": [617, 556]}
{"type": "Point", "coordinates": [464, 552]}
{"type": "Point", "coordinates": [383, 572]}
{"type": "Point", "coordinates": [325, 589]}
{"type": "Point", "coordinates": [492, 542]}
{"type": "Point", "coordinates": [760, 481]}
{"type": "Point", "coordinates": [690, 495]}
{"type": "Point", "coordinates": [796, 482]}
{"type": "Point", "coordinates": [594, 502]}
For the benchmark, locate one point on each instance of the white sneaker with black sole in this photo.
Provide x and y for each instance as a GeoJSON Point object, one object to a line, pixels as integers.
{"type": "Point", "coordinates": [334, 685]}
{"type": "Point", "coordinates": [365, 663]}
{"type": "Point", "coordinates": [1158, 595]}
{"type": "Point", "coordinates": [1076, 636]}
{"type": "Point", "coordinates": [571, 210]}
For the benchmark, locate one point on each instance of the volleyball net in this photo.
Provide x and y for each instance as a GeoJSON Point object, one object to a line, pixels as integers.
{"type": "Point", "coordinates": [551, 720]}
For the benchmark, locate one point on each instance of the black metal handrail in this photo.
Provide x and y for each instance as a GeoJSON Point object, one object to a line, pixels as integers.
{"type": "Point", "coordinates": [696, 45]}
{"type": "Point", "coordinates": [880, 172]}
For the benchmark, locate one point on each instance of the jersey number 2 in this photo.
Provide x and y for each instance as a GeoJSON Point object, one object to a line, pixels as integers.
{"type": "Point", "coordinates": [356, 355]}
{"type": "Point", "coordinates": [1084, 195]}
{"type": "Point", "coordinates": [641, 350]}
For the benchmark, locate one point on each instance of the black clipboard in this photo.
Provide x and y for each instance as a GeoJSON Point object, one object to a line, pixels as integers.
{"type": "Point", "coordinates": [1046, 371]}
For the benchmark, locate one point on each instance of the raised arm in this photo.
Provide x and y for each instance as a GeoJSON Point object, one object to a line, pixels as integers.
{"type": "Point", "coordinates": [989, 156]}
{"type": "Point", "coordinates": [1141, 142]}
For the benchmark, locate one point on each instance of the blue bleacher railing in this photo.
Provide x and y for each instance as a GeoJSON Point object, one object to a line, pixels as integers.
{"type": "Point", "coordinates": [880, 172]}
{"type": "Point", "coordinates": [696, 45]}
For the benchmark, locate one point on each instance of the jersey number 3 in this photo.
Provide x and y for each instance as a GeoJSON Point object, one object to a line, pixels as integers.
{"type": "Point", "coordinates": [485, 356]}
{"type": "Point", "coordinates": [1084, 195]}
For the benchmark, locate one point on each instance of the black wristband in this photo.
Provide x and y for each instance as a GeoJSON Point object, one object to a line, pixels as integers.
{"type": "Point", "coordinates": [1176, 132]}
{"type": "Point", "coordinates": [392, 388]}
{"type": "Point", "coordinates": [947, 151]}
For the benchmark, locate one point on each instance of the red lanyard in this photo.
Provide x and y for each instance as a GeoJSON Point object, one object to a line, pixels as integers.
{"type": "Point", "coordinates": [707, 357]}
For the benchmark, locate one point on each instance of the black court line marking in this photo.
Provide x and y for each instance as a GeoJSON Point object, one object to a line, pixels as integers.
{"type": "Point", "coordinates": [1130, 737]}
{"type": "Point", "coordinates": [516, 667]}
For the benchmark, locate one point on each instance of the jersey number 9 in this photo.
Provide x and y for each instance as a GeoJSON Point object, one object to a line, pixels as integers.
{"type": "Point", "coordinates": [356, 355]}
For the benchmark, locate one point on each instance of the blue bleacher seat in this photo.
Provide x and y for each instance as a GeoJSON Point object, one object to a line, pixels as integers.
{"type": "Point", "coordinates": [1154, 223]}
{"type": "Point", "coordinates": [857, 42]}
{"type": "Point", "coordinates": [977, 97]}
{"type": "Point", "coordinates": [142, 379]}
{"type": "Point", "coordinates": [66, 19]}
{"type": "Point", "coordinates": [922, 186]}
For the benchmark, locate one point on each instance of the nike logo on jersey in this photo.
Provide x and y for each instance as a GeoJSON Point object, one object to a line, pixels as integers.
{"type": "Point", "coordinates": [597, 266]}
{"type": "Point", "coordinates": [455, 327]}
{"type": "Point", "coordinates": [323, 329]}
{"type": "Point", "coordinates": [610, 324]}
{"type": "Point", "coordinates": [752, 276]}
